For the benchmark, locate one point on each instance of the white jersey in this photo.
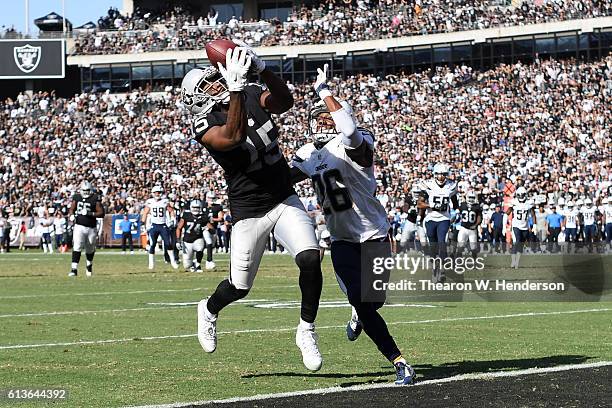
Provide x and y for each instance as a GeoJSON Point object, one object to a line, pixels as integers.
{"type": "Point", "coordinates": [60, 225]}
{"type": "Point", "coordinates": [607, 210]}
{"type": "Point", "coordinates": [520, 214]}
{"type": "Point", "coordinates": [486, 218]}
{"type": "Point", "coordinates": [46, 225]}
{"type": "Point", "coordinates": [588, 214]}
{"type": "Point", "coordinates": [157, 210]}
{"type": "Point", "coordinates": [439, 199]}
{"type": "Point", "coordinates": [571, 218]}
{"type": "Point", "coordinates": [345, 190]}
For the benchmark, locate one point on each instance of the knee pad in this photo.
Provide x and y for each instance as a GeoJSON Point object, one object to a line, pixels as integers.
{"type": "Point", "coordinates": [308, 259]}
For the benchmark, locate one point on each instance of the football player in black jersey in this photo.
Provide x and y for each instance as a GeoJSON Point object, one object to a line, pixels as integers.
{"type": "Point", "coordinates": [470, 217]}
{"type": "Point", "coordinates": [191, 226]}
{"type": "Point", "coordinates": [214, 214]}
{"type": "Point", "coordinates": [86, 207]}
{"type": "Point", "coordinates": [233, 122]}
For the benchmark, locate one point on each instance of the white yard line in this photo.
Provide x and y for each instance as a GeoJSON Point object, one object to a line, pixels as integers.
{"type": "Point", "coordinates": [284, 329]}
{"type": "Point", "coordinates": [83, 312]}
{"type": "Point", "coordinates": [128, 292]}
{"type": "Point", "coordinates": [362, 387]}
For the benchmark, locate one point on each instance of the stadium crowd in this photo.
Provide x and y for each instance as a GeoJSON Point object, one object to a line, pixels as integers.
{"type": "Point", "coordinates": [330, 21]}
{"type": "Point", "coordinates": [545, 126]}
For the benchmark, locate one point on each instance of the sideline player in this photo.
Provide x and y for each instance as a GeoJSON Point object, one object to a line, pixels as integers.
{"type": "Point", "coordinates": [233, 122]}
{"type": "Point", "coordinates": [191, 226]}
{"type": "Point", "coordinates": [159, 208]}
{"type": "Point", "coordinates": [470, 217]}
{"type": "Point", "coordinates": [86, 207]}
{"type": "Point", "coordinates": [520, 208]}
{"type": "Point", "coordinates": [340, 162]}
{"type": "Point", "coordinates": [437, 195]}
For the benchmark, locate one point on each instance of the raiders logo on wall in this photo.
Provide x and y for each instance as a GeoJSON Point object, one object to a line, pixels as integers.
{"type": "Point", "coordinates": [32, 58]}
{"type": "Point", "coordinates": [27, 57]}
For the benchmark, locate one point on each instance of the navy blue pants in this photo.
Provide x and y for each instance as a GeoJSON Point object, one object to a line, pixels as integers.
{"type": "Point", "coordinates": [519, 237]}
{"type": "Point", "coordinates": [608, 232]}
{"type": "Point", "coordinates": [351, 262]}
{"type": "Point", "coordinates": [571, 234]}
{"type": "Point", "coordinates": [590, 232]}
{"type": "Point", "coordinates": [436, 233]}
{"type": "Point", "coordinates": [155, 232]}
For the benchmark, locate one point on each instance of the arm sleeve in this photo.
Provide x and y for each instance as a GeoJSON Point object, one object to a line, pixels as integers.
{"type": "Point", "coordinates": [345, 124]}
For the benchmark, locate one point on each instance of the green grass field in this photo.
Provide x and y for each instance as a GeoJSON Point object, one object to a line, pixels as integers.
{"type": "Point", "coordinates": [125, 337]}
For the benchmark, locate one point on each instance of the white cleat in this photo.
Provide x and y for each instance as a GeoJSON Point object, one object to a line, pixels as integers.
{"type": "Point", "coordinates": [307, 340]}
{"type": "Point", "coordinates": [89, 274]}
{"type": "Point", "coordinates": [210, 265]}
{"type": "Point", "coordinates": [207, 329]}
{"type": "Point", "coordinates": [175, 265]}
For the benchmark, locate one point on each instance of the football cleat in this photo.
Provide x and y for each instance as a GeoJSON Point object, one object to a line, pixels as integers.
{"type": "Point", "coordinates": [207, 329]}
{"type": "Point", "coordinates": [307, 340]}
{"type": "Point", "coordinates": [174, 265]}
{"type": "Point", "coordinates": [89, 271]}
{"type": "Point", "coordinates": [353, 329]}
{"type": "Point", "coordinates": [210, 265]}
{"type": "Point", "coordinates": [198, 269]}
{"type": "Point", "coordinates": [72, 273]}
{"type": "Point", "coordinates": [404, 374]}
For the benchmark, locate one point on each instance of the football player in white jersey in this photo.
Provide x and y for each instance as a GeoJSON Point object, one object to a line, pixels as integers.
{"type": "Point", "coordinates": [438, 194]}
{"type": "Point", "coordinates": [520, 208]}
{"type": "Point", "coordinates": [157, 207]}
{"type": "Point", "coordinates": [570, 224]}
{"type": "Point", "coordinates": [607, 221]}
{"type": "Point", "coordinates": [589, 213]}
{"type": "Point", "coordinates": [340, 162]}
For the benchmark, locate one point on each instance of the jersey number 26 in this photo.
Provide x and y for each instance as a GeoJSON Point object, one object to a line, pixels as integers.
{"type": "Point", "coordinates": [330, 194]}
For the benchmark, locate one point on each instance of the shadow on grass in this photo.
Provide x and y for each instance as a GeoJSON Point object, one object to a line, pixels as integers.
{"type": "Point", "coordinates": [430, 372]}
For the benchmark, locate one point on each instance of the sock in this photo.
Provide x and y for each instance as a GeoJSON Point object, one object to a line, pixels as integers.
{"type": "Point", "coordinates": [74, 265]}
{"type": "Point", "coordinates": [76, 257]}
{"type": "Point", "coordinates": [151, 259]}
{"type": "Point", "coordinates": [171, 255]}
{"type": "Point", "coordinates": [209, 249]}
{"type": "Point", "coordinates": [354, 314]}
{"type": "Point", "coordinates": [225, 294]}
{"type": "Point", "coordinates": [90, 258]}
{"type": "Point", "coordinates": [399, 359]}
{"type": "Point", "coordinates": [305, 325]}
{"type": "Point", "coordinates": [199, 257]}
{"type": "Point", "coordinates": [311, 283]}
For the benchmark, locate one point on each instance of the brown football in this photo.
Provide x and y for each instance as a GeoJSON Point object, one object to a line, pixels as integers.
{"type": "Point", "coordinates": [217, 49]}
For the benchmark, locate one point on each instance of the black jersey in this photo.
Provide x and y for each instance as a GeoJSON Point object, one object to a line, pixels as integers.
{"type": "Point", "coordinates": [193, 226]}
{"type": "Point", "coordinates": [212, 211]}
{"type": "Point", "coordinates": [89, 204]}
{"type": "Point", "coordinates": [256, 171]}
{"type": "Point", "coordinates": [468, 214]}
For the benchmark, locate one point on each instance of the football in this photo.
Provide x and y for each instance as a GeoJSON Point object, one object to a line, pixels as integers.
{"type": "Point", "coordinates": [216, 50]}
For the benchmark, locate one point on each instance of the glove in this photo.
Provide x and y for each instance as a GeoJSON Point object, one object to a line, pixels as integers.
{"type": "Point", "coordinates": [320, 85]}
{"type": "Point", "coordinates": [237, 63]}
{"type": "Point", "coordinates": [257, 63]}
{"type": "Point", "coordinates": [179, 245]}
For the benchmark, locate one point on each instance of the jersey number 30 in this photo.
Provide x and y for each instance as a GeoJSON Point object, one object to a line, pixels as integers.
{"type": "Point", "coordinates": [331, 195]}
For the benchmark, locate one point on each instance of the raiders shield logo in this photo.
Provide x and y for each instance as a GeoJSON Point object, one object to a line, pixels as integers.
{"type": "Point", "coordinates": [27, 57]}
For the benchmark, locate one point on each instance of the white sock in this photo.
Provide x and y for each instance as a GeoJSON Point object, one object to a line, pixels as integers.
{"type": "Point", "coordinates": [75, 265]}
{"type": "Point", "coordinates": [354, 314]}
{"type": "Point", "coordinates": [518, 258]}
{"type": "Point", "coordinates": [45, 248]}
{"type": "Point", "coordinates": [305, 325]}
{"type": "Point", "coordinates": [171, 255]}
{"type": "Point", "coordinates": [89, 263]}
{"type": "Point", "coordinates": [151, 259]}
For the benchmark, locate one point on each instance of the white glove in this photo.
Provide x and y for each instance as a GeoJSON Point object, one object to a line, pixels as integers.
{"type": "Point", "coordinates": [257, 63]}
{"type": "Point", "coordinates": [237, 63]}
{"type": "Point", "coordinates": [320, 85]}
{"type": "Point", "coordinates": [179, 245]}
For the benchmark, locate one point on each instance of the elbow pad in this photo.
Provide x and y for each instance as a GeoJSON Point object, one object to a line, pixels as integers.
{"type": "Point", "coordinates": [346, 126]}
